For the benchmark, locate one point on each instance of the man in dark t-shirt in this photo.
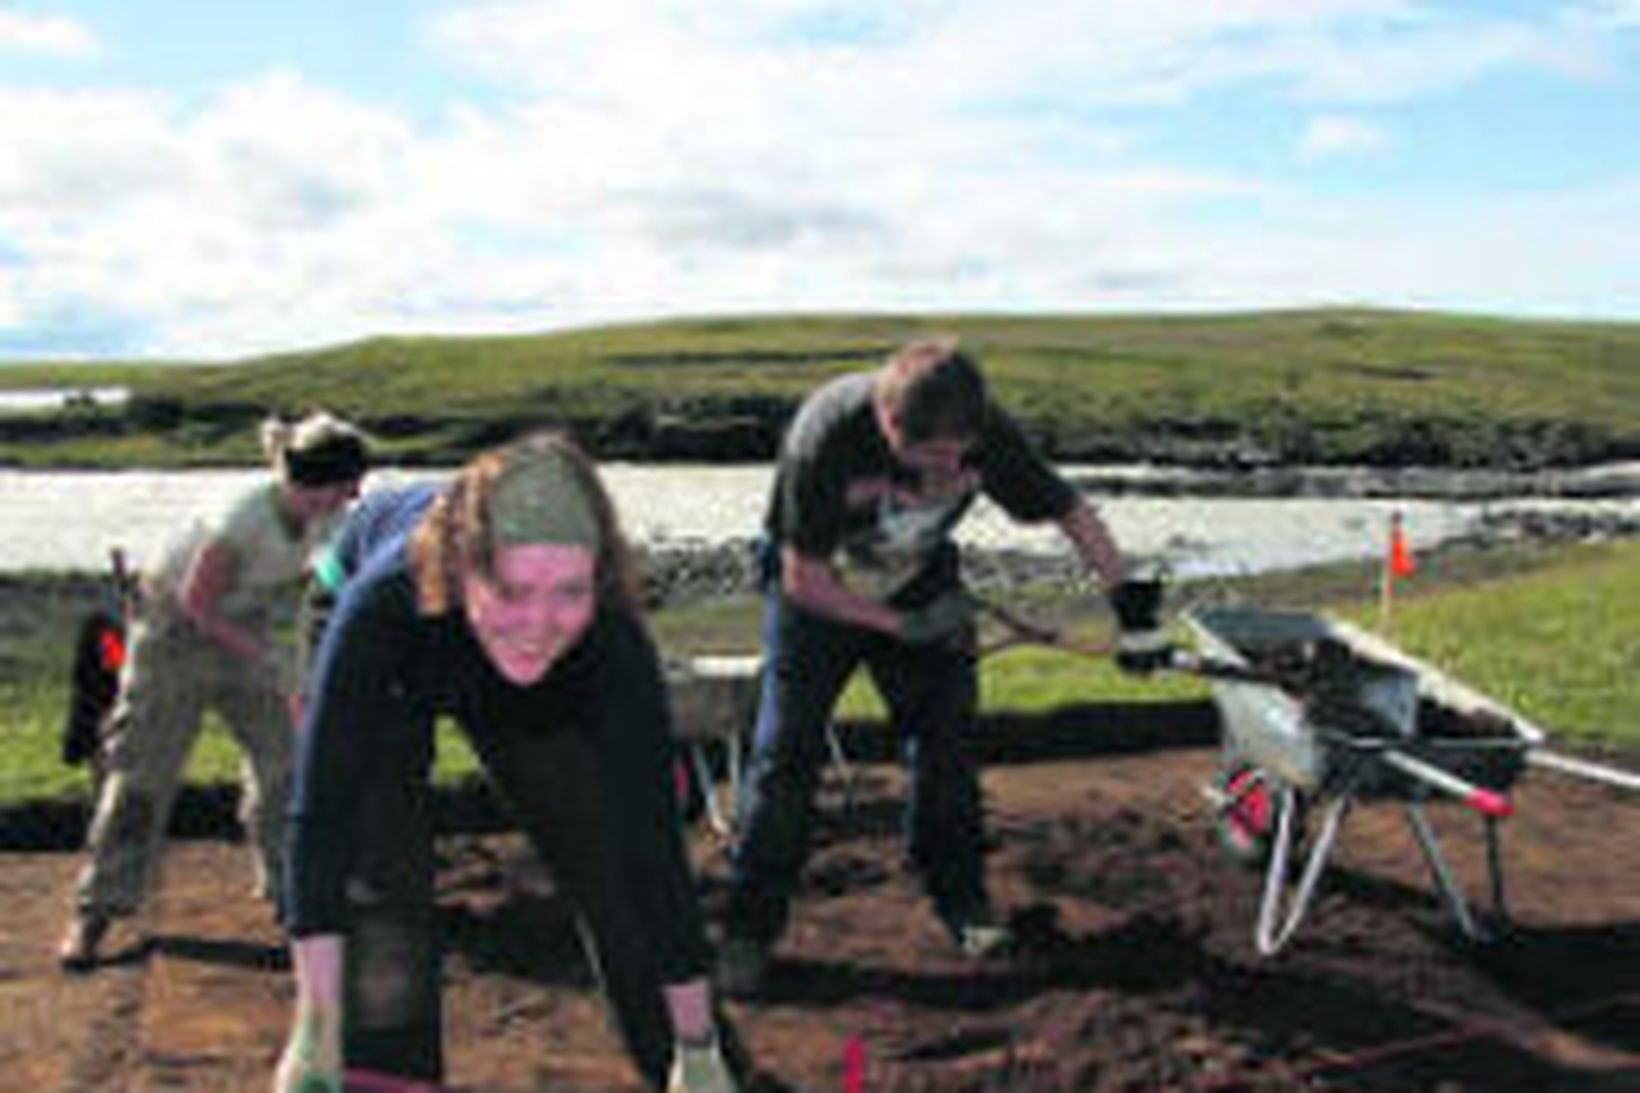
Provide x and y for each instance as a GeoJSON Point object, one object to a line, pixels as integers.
{"type": "Point", "coordinates": [875, 473]}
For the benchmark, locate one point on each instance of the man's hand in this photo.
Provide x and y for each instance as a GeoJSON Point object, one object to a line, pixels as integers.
{"type": "Point", "coordinates": [938, 619]}
{"type": "Point", "coordinates": [699, 1069]}
{"type": "Point", "coordinates": [1141, 647]}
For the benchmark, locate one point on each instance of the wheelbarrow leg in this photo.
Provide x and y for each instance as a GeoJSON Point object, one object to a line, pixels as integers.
{"type": "Point", "coordinates": [737, 772]}
{"type": "Point", "coordinates": [716, 816]}
{"type": "Point", "coordinates": [1494, 867]}
{"type": "Point", "coordinates": [839, 762]}
{"type": "Point", "coordinates": [1438, 869]}
{"type": "Point", "coordinates": [1275, 929]}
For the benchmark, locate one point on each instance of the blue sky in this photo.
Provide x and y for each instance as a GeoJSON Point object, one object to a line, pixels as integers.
{"type": "Point", "coordinates": [212, 180]}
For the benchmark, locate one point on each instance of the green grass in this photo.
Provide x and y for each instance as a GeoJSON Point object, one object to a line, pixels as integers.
{"type": "Point", "coordinates": [1549, 631]}
{"type": "Point", "coordinates": [1561, 647]}
{"type": "Point", "coordinates": [1303, 386]}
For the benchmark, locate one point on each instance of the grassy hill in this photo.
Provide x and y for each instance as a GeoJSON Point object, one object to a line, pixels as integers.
{"type": "Point", "coordinates": [1318, 386]}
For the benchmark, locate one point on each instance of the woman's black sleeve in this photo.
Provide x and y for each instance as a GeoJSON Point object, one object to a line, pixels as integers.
{"type": "Point", "coordinates": [356, 714]}
{"type": "Point", "coordinates": [633, 729]}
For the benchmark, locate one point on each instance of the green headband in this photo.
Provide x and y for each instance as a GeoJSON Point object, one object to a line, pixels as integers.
{"type": "Point", "coordinates": [538, 498]}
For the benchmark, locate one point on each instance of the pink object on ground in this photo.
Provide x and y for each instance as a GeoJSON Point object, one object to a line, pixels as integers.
{"type": "Point", "coordinates": [854, 1065]}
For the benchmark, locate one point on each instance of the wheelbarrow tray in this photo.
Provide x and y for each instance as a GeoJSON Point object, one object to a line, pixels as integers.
{"type": "Point", "coordinates": [1324, 700]}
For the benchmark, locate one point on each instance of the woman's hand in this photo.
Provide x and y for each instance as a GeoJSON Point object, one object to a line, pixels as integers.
{"type": "Point", "coordinates": [312, 1060]}
{"type": "Point", "coordinates": [699, 1069]}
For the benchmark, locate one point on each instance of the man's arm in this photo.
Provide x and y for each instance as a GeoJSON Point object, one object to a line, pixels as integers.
{"type": "Point", "coordinates": [814, 585]}
{"type": "Point", "coordinates": [1141, 644]}
{"type": "Point", "coordinates": [1094, 544]}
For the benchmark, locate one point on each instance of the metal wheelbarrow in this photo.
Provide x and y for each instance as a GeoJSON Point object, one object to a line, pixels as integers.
{"type": "Point", "coordinates": [1318, 715]}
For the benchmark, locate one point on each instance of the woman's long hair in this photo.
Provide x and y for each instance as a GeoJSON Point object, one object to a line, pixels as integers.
{"type": "Point", "coordinates": [456, 536]}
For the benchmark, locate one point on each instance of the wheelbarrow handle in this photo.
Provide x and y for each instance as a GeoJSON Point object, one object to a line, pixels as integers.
{"type": "Point", "coordinates": [1583, 768]}
{"type": "Point", "coordinates": [1485, 801]}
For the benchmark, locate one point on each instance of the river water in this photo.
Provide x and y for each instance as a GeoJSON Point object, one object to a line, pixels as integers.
{"type": "Point", "coordinates": [68, 521]}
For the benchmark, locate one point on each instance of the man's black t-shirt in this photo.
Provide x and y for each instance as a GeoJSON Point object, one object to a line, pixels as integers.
{"type": "Point", "coordinates": [841, 496]}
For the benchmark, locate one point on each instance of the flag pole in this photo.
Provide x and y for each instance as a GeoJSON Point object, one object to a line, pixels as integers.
{"type": "Point", "coordinates": [1397, 562]}
{"type": "Point", "coordinates": [1386, 582]}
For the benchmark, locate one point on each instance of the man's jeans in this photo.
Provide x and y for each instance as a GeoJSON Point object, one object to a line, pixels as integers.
{"type": "Point", "coordinates": [931, 692]}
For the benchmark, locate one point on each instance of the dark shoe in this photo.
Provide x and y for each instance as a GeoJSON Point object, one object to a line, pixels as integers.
{"type": "Point", "coordinates": [78, 949]}
{"type": "Point", "coordinates": [743, 966]}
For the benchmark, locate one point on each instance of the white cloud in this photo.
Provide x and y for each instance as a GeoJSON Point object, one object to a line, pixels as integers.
{"type": "Point", "coordinates": [72, 153]}
{"type": "Point", "coordinates": [51, 35]}
{"type": "Point", "coordinates": [622, 54]}
{"type": "Point", "coordinates": [1484, 254]}
{"type": "Point", "coordinates": [1334, 135]}
{"type": "Point", "coordinates": [271, 211]}
{"type": "Point", "coordinates": [1617, 13]}
{"type": "Point", "coordinates": [649, 158]}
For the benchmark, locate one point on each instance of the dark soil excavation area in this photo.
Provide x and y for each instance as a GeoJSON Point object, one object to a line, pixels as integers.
{"type": "Point", "coordinates": [1135, 968]}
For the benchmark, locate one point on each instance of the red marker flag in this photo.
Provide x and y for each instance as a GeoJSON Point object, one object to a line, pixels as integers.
{"type": "Point", "coordinates": [1400, 557]}
{"type": "Point", "coordinates": [1398, 563]}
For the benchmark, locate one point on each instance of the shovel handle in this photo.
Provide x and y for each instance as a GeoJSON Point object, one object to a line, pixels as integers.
{"type": "Point", "coordinates": [1022, 631]}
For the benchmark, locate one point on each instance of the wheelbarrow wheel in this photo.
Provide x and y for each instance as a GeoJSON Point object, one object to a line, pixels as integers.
{"type": "Point", "coordinates": [1246, 819]}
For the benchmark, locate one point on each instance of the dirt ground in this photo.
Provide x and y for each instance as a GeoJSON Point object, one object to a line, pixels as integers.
{"type": "Point", "coordinates": [1136, 967]}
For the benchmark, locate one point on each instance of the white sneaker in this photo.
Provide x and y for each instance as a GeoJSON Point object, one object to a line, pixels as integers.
{"type": "Point", "coordinates": [980, 940]}
{"type": "Point", "coordinates": [78, 949]}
